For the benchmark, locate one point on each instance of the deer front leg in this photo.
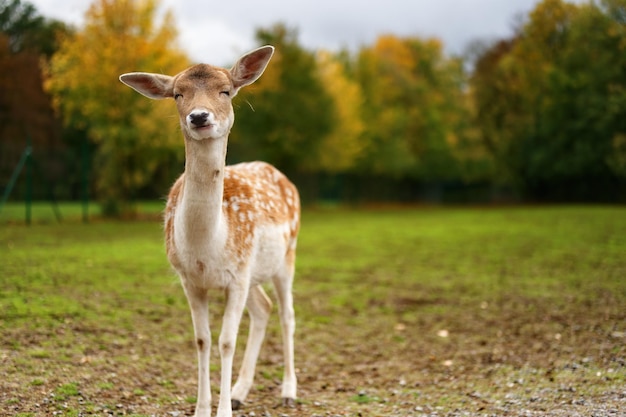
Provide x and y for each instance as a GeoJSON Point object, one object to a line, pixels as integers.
{"type": "Point", "coordinates": [199, 305]}
{"type": "Point", "coordinates": [236, 295]}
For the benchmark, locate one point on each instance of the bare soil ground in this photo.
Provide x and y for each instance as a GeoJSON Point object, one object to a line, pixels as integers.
{"type": "Point", "coordinates": [515, 357]}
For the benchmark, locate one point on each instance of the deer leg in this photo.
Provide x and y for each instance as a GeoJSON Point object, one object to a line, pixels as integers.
{"type": "Point", "coordinates": [283, 285]}
{"type": "Point", "coordinates": [259, 308]}
{"type": "Point", "coordinates": [236, 296]}
{"type": "Point", "coordinates": [199, 305]}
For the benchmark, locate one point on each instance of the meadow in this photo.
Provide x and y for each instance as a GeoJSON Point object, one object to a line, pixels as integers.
{"type": "Point", "coordinates": [516, 311]}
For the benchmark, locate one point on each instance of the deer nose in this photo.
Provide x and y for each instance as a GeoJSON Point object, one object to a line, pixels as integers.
{"type": "Point", "coordinates": [199, 118]}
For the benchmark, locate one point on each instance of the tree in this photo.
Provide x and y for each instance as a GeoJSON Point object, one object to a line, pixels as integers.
{"type": "Point", "coordinates": [586, 110]}
{"type": "Point", "coordinates": [551, 102]}
{"type": "Point", "coordinates": [134, 138]}
{"type": "Point", "coordinates": [26, 30]}
{"type": "Point", "coordinates": [493, 98]}
{"type": "Point", "coordinates": [415, 107]}
{"type": "Point", "coordinates": [284, 117]}
{"type": "Point", "coordinates": [342, 146]}
{"type": "Point", "coordinates": [26, 39]}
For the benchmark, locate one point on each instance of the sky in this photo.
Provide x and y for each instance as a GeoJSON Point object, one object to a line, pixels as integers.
{"type": "Point", "coordinates": [218, 32]}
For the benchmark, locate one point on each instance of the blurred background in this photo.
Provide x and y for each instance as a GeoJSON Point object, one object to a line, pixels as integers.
{"type": "Point", "coordinates": [430, 141]}
{"type": "Point", "coordinates": [535, 115]}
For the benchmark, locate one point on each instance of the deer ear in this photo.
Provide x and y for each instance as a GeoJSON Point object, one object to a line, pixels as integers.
{"type": "Point", "coordinates": [249, 67]}
{"type": "Point", "coordinates": [155, 86]}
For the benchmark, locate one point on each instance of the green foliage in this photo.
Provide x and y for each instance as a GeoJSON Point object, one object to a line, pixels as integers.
{"type": "Point", "coordinates": [542, 112]}
{"type": "Point", "coordinates": [134, 137]}
{"type": "Point", "coordinates": [26, 30]}
{"type": "Point", "coordinates": [285, 114]}
{"type": "Point", "coordinates": [551, 102]}
{"type": "Point", "coordinates": [415, 108]}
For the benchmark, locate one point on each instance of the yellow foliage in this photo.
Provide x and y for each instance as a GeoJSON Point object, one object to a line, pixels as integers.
{"type": "Point", "coordinates": [344, 144]}
{"type": "Point", "coordinates": [395, 51]}
{"type": "Point", "coordinates": [119, 36]}
{"type": "Point", "coordinates": [415, 107]}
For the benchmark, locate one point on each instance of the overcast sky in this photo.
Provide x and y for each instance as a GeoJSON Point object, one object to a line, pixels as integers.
{"type": "Point", "coordinates": [217, 32]}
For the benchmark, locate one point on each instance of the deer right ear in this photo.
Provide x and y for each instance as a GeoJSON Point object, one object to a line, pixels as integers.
{"type": "Point", "coordinates": [250, 67]}
{"type": "Point", "coordinates": [155, 86]}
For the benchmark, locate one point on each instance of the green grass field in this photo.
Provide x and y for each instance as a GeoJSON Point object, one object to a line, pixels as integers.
{"type": "Point", "coordinates": [400, 312]}
{"type": "Point", "coordinates": [42, 212]}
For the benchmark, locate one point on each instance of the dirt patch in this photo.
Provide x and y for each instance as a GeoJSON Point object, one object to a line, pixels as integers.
{"type": "Point", "coordinates": [518, 358]}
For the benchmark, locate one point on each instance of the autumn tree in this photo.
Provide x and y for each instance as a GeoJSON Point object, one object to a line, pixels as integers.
{"type": "Point", "coordinates": [343, 145]}
{"type": "Point", "coordinates": [580, 129]}
{"type": "Point", "coordinates": [491, 90]}
{"type": "Point", "coordinates": [285, 116]}
{"type": "Point", "coordinates": [26, 39]}
{"type": "Point", "coordinates": [550, 102]}
{"type": "Point", "coordinates": [414, 108]}
{"type": "Point", "coordinates": [134, 138]}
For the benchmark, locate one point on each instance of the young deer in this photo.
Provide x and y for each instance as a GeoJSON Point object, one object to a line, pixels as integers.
{"type": "Point", "coordinates": [231, 228]}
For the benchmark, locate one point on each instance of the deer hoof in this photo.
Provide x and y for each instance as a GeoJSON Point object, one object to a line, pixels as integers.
{"type": "Point", "coordinates": [236, 404]}
{"type": "Point", "coordinates": [289, 402]}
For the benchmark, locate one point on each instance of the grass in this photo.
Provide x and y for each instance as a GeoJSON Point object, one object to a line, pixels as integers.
{"type": "Point", "coordinates": [426, 309]}
{"type": "Point", "coordinates": [46, 212]}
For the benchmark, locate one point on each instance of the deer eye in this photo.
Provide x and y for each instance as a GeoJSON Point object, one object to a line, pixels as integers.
{"type": "Point", "coordinates": [226, 93]}
{"type": "Point", "coordinates": [177, 96]}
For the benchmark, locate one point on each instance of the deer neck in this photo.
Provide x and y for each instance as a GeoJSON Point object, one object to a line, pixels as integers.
{"type": "Point", "coordinates": [201, 208]}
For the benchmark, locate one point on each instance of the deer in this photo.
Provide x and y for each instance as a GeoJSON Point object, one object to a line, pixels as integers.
{"type": "Point", "coordinates": [231, 228]}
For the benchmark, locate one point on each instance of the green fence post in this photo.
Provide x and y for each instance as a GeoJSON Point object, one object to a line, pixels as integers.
{"type": "Point", "coordinates": [29, 179]}
{"type": "Point", "coordinates": [14, 175]}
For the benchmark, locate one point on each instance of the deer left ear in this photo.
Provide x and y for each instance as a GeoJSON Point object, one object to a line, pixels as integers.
{"type": "Point", "coordinates": [250, 67]}
{"type": "Point", "coordinates": [155, 86]}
